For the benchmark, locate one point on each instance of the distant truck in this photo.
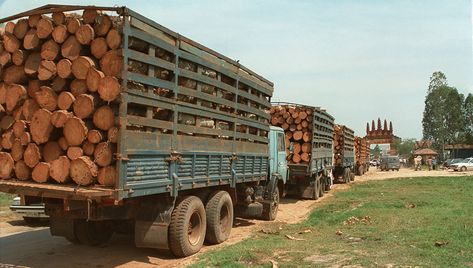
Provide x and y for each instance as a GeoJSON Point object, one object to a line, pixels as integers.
{"type": "Point", "coordinates": [344, 154]}
{"type": "Point", "coordinates": [194, 143]}
{"type": "Point", "coordinates": [390, 162]}
{"type": "Point", "coordinates": [309, 140]}
{"type": "Point", "coordinates": [362, 156]}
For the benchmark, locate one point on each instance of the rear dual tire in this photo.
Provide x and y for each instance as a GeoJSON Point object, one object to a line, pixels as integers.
{"type": "Point", "coordinates": [219, 211]}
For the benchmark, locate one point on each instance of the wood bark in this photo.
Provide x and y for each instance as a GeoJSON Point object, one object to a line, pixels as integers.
{"type": "Point", "coordinates": [59, 169]}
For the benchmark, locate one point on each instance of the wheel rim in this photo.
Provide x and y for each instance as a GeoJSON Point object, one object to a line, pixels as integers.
{"type": "Point", "coordinates": [224, 219]}
{"type": "Point", "coordinates": [193, 232]}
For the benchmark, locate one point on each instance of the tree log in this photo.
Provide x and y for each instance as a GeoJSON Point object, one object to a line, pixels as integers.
{"type": "Point", "coordinates": [21, 27]}
{"type": "Point", "coordinates": [83, 171]}
{"type": "Point", "coordinates": [41, 172]}
{"type": "Point", "coordinates": [19, 127]}
{"type": "Point", "coordinates": [47, 70]}
{"type": "Point", "coordinates": [58, 18]}
{"type": "Point", "coordinates": [19, 57]}
{"type": "Point", "coordinates": [88, 148]}
{"type": "Point", "coordinates": [62, 143]}
{"type": "Point", "coordinates": [306, 147]}
{"type": "Point", "coordinates": [305, 157]}
{"type": "Point", "coordinates": [74, 152]}
{"type": "Point", "coordinates": [17, 150]}
{"type": "Point", "coordinates": [9, 27]}
{"type": "Point", "coordinates": [33, 20]}
{"type": "Point", "coordinates": [98, 47]}
{"type": "Point", "coordinates": [81, 66]}
{"type": "Point", "coordinates": [73, 24]}
{"type": "Point", "coordinates": [75, 131]}
{"type": "Point", "coordinates": [84, 106]}
{"type": "Point", "coordinates": [307, 136]}
{"type": "Point", "coordinates": [59, 169]}
{"type": "Point", "coordinates": [94, 136]}
{"type": "Point", "coordinates": [11, 43]}
{"type": "Point", "coordinates": [31, 155]}
{"type": "Point", "coordinates": [93, 79]}
{"type": "Point", "coordinates": [114, 39]}
{"type": "Point", "coordinates": [109, 88]}
{"type": "Point", "coordinates": [297, 135]}
{"type": "Point", "coordinates": [3, 92]}
{"type": "Point", "coordinates": [296, 148]}
{"type": "Point", "coordinates": [102, 25]}
{"type": "Point", "coordinates": [85, 34]}
{"type": "Point", "coordinates": [59, 84]}
{"type": "Point", "coordinates": [50, 50]}
{"type": "Point", "coordinates": [64, 68]}
{"type": "Point", "coordinates": [41, 126]}
{"type": "Point", "coordinates": [111, 63]}
{"type": "Point", "coordinates": [71, 48]}
{"type": "Point", "coordinates": [14, 74]}
{"type": "Point", "coordinates": [103, 154]}
{"type": "Point", "coordinates": [32, 63]}
{"type": "Point", "coordinates": [60, 34]}
{"type": "Point", "coordinates": [112, 135]}
{"type": "Point", "coordinates": [89, 15]}
{"type": "Point", "coordinates": [107, 176]}
{"type": "Point", "coordinates": [65, 100]}
{"type": "Point", "coordinates": [25, 138]}
{"type": "Point", "coordinates": [51, 151]}
{"type": "Point", "coordinates": [60, 117]}
{"type": "Point", "coordinates": [15, 96]}
{"type": "Point", "coordinates": [44, 28]}
{"type": "Point", "coordinates": [22, 171]}
{"type": "Point", "coordinates": [104, 118]}
{"type": "Point", "coordinates": [30, 106]}
{"type": "Point", "coordinates": [46, 98]}
{"type": "Point", "coordinates": [78, 87]}
{"type": "Point", "coordinates": [31, 40]}
{"type": "Point", "coordinates": [5, 58]}
{"type": "Point", "coordinates": [8, 139]}
{"type": "Point", "coordinates": [296, 158]}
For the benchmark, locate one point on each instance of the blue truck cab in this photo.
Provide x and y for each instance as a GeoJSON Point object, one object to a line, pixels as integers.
{"type": "Point", "coordinates": [277, 154]}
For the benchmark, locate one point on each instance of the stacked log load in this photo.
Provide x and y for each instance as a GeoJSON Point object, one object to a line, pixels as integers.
{"type": "Point", "coordinates": [59, 90]}
{"type": "Point", "coordinates": [343, 144]}
{"type": "Point", "coordinates": [361, 151]}
{"type": "Point", "coordinates": [296, 121]}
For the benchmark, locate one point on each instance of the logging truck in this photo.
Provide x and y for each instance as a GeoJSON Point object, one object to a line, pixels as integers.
{"type": "Point", "coordinates": [362, 156]}
{"type": "Point", "coordinates": [309, 138]}
{"type": "Point", "coordinates": [115, 122]}
{"type": "Point", "coordinates": [344, 154]}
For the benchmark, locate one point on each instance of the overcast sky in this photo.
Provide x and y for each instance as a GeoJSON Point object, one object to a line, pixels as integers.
{"type": "Point", "coordinates": [358, 59]}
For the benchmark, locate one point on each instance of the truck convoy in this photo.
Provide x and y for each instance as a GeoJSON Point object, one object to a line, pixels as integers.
{"type": "Point", "coordinates": [116, 123]}
{"type": "Point", "coordinates": [112, 120]}
{"type": "Point", "coordinates": [362, 153]}
{"type": "Point", "coordinates": [308, 134]}
{"type": "Point", "coordinates": [344, 154]}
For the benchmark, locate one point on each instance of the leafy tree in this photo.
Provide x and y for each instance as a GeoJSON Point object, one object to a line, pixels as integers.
{"type": "Point", "coordinates": [376, 151]}
{"type": "Point", "coordinates": [405, 147]}
{"type": "Point", "coordinates": [468, 110]}
{"type": "Point", "coordinates": [444, 113]}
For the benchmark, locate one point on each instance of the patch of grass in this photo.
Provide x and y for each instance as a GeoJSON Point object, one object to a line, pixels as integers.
{"type": "Point", "coordinates": [393, 222]}
{"type": "Point", "coordinates": [5, 199]}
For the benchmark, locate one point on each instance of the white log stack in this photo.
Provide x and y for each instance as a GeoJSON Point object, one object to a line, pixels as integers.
{"type": "Point", "coordinates": [59, 93]}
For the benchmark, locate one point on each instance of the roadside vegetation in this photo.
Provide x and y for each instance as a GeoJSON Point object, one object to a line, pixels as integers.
{"type": "Point", "coordinates": [391, 223]}
{"type": "Point", "coordinates": [5, 200]}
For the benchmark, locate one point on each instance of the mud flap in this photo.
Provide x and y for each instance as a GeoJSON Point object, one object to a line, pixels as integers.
{"type": "Point", "coordinates": [152, 223]}
{"type": "Point", "coordinates": [62, 226]}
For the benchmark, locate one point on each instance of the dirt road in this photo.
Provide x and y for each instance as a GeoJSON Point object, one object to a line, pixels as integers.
{"type": "Point", "coordinates": [35, 247]}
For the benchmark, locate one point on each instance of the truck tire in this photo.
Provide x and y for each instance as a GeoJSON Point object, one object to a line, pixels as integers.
{"type": "Point", "coordinates": [352, 176]}
{"type": "Point", "coordinates": [31, 220]}
{"type": "Point", "coordinates": [187, 227]}
{"type": "Point", "coordinates": [92, 233]}
{"type": "Point", "coordinates": [463, 169]}
{"type": "Point", "coordinates": [316, 191]}
{"type": "Point", "coordinates": [270, 209]}
{"type": "Point", "coordinates": [321, 186]}
{"type": "Point", "coordinates": [346, 176]}
{"type": "Point", "coordinates": [219, 211]}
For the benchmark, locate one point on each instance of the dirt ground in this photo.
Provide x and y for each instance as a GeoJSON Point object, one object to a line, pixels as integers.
{"type": "Point", "coordinates": [33, 246]}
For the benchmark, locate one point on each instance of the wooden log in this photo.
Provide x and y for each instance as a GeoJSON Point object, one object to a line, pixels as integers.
{"type": "Point", "coordinates": [285, 126]}
{"type": "Point", "coordinates": [64, 68]}
{"type": "Point", "coordinates": [59, 169]}
{"type": "Point", "coordinates": [112, 135]}
{"type": "Point", "coordinates": [114, 39]}
{"type": "Point", "coordinates": [9, 27]}
{"type": "Point", "coordinates": [47, 70]}
{"type": "Point", "coordinates": [6, 122]}
{"type": "Point", "coordinates": [89, 15]}
{"type": "Point", "coordinates": [88, 148]}
{"type": "Point", "coordinates": [17, 150]}
{"type": "Point", "coordinates": [51, 151]}
{"type": "Point", "coordinates": [46, 98]}
{"type": "Point", "coordinates": [25, 138]}
{"type": "Point", "coordinates": [93, 79]}
{"type": "Point", "coordinates": [288, 136]}
{"type": "Point", "coordinates": [22, 171]}
{"type": "Point", "coordinates": [296, 148]}
{"type": "Point", "coordinates": [304, 123]}
{"type": "Point", "coordinates": [73, 25]}
{"type": "Point", "coordinates": [44, 28]}
{"type": "Point", "coordinates": [296, 158]}
{"type": "Point", "coordinates": [74, 152]}
{"type": "Point", "coordinates": [15, 95]}
{"type": "Point", "coordinates": [40, 172]}
{"type": "Point", "coordinates": [59, 84]}
{"type": "Point", "coordinates": [81, 66]}
{"type": "Point", "coordinates": [71, 48]}
{"type": "Point", "coordinates": [32, 63]}
{"type": "Point", "coordinates": [65, 100]}
{"type": "Point", "coordinates": [19, 127]}
{"type": "Point", "coordinates": [75, 131]}
{"type": "Point", "coordinates": [33, 87]}
{"type": "Point", "coordinates": [302, 115]}
{"type": "Point", "coordinates": [21, 27]}
{"type": "Point", "coordinates": [78, 87]}
{"type": "Point", "coordinates": [58, 18]}
{"type": "Point", "coordinates": [3, 92]}
{"type": "Point", "coordinates": [60, 117]}
{"type": "Point", "coordinates": [297, 135]}
{"type": "Point", "coordinates": [299, 127]}
{"type": "Point", "coordinates": [19, 57]}
{"type": "Point", "coordinates": [98, 47]}
{"type": "Point", "coordinates": [30, 106]}
{"type": "Point", "coordinates": [33, 20]}
{"type": "Point", "coordinates": [5, 58]}
{"type": "Point", "coordinates": [63, 143]}
{"type": "Point", "coordinates": [60, 34]}
{"type": "Point", "coordinates": [94, 136]}
{"type": "Point", "coordinates": [104, 118]}
{"type": "Point", "coordinates": [307, 136]}
{"type": "Point", "coordinates": [14, 75]}
{"type": "Point", "coordinates": [7, 140]}
{"type": "Point", "coordinates": [297, 121]}
{"type": "Point", "coordinates": [32, 155]}
{"type": "Point", "coordinates": [305, 157]}
{"type": "Point", "coordinates": [107, 176]}
{"type": "Point", "coordinates": [31, 40]}
{"type": "Point", "coordinates": [11, 43]}
{"type": "Point", "coordinates": [103, 154]}
{"type": "Point", "coordinates": [83, 171]}
{"type": "Point", "coordinates": [109, 88]}
{"type": "Point", "coordinates": [102, 25]}
{"type": "Point", "coordinates": [84, 106]}
{"type": "Point", "coordinates": [292, 127]}
{"type": "Point", "coordinates": [306, 147]}
{"type": "Point", "coordinates": [111, 63]}
{"type": "Point", "coordinates": [85, 34]}
{"type": "Point", "coordinates": [50, 50]}
{"type": "Point", "coordinates": [40, 126]}
{"type": "Point", "coordinates": [17, 113]}
{"type": "Point", "coordinates": [274, 121]}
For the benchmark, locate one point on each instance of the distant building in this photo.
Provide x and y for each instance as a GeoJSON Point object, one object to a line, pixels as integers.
{"type": "Point", "coordinates": [459, 150]}
{"type": "Point", "coordinates": [423, 148]}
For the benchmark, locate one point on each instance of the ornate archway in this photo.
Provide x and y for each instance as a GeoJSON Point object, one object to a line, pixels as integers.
{"type": "Point", "coordinates": [382, 135]}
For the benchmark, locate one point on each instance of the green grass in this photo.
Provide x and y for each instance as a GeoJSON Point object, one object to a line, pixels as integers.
{"type": "Point", "coordinates": [406, 219]}
{"type": "Point", "coordinates": [5, 199]}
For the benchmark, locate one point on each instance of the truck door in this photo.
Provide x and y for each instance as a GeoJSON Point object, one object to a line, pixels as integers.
{"type": "Point", "coordinates": [281, 155]}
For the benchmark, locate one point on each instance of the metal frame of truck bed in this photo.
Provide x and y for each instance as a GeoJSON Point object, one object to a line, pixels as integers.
{"type": "Point", "coordinates": [166, 156]}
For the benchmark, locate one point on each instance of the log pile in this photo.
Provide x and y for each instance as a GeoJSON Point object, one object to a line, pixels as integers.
{"type": "Point", "coordinates": [338, 144]}
{"type": "Point", "coordinates": [296, 121]}
{"type": "Point", "coordinates": [361, 151]}
{"type": "Point", "coordinates": [59, 93]}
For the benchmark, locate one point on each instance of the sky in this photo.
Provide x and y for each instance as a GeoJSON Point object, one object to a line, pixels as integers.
{"type": "Point", "coordinates": [359, 60]}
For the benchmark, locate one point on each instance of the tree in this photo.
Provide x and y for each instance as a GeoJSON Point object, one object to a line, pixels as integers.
{"type": "Point", "coordinates": [405, 147]}
{"type": "Point", "coordinates": [376, 151]}
{"type": "Point", "coordinates": [444, 117]}
{"type": "Point", "coordinates": [468, 114]}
